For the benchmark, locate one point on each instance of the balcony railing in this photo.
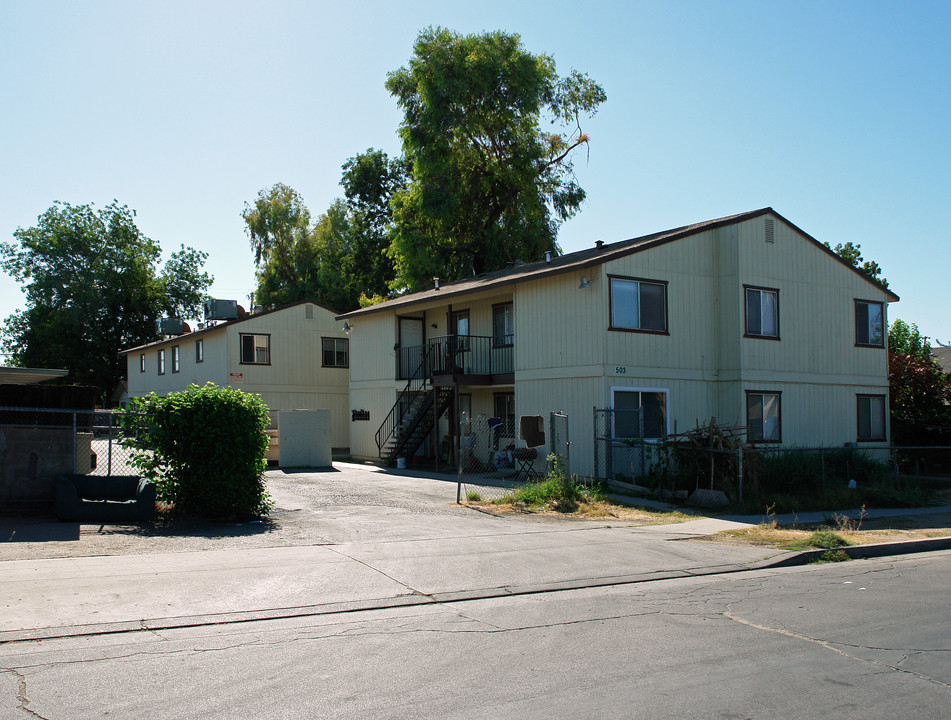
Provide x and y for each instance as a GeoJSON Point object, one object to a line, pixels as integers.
{"type": "Point", "coordinates": [459, 354]}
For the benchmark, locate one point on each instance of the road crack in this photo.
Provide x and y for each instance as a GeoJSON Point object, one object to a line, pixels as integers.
{"type": "Point", "coordinates": [832, 647]}
{"type": "Point", "coordinates": [23, 701]}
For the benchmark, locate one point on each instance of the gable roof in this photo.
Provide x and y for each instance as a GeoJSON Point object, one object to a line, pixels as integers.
{"type": "Point", "coordinates": [591, 257]}
{"type": "Point", "coordinates": [942, 354]}
{"type": "Point", "coordinates": [225, 324]}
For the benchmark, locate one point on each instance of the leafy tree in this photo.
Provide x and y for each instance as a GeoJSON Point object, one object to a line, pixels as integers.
{"type": "Point", "coordinates": [92, 289]}
{"type": "Point", "coordinates": [487, 184]}
{"type": "Point", "coordinates": [278, 224]}
{"type": "Point", "coordinates": [369, 182]}
{"type": "Point", "coordinates": [905, 339]}
{"type": "Point", "coordinates": [852, 254]}
{"type": "Point", "coordinates": [919, 392]}
{"type": "Point", "coordinates": [331, 261]}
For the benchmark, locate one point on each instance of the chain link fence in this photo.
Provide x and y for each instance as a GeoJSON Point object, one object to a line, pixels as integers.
{"type": "Point", "coordinates": [38, 443]}
{"type": "Point", "coordinates": [497, 455]}
{"type": "Point", "coordinates": [674, 470]}
{"type": "Point", "coordinates": [620, 453]}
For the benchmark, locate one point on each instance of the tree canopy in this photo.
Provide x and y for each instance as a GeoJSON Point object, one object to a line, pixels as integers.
{"type": "Point", "coordinates": [93, 288]}
{"type": "Point", "coordinates": [486, 177]}
{"type": "Point", "coordinates": [487, 183]}
{"type": "Point", "coordinates": [852, 254]}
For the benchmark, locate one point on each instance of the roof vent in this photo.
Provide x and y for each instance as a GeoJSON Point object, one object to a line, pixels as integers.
{"type": "Point", "coordinates": [599, 243]}
{"type": "Point", "coordinates": [519, 263]}
{"type": "Point", "coordinates": [548, 256]}
{"type": "Point", "coordinates": [769, 230]}
{"type": "Point", "coordinates": [436, 283]}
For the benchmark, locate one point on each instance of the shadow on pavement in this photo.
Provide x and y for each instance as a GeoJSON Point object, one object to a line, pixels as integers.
{"type": "Point", "coordinates": [49, 529]}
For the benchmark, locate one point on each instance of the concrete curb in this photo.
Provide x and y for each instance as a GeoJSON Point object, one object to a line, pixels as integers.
{"type": "Point", "coordinates": [858, 552]}
{"type": "Point", "coordinates": [781, 560]}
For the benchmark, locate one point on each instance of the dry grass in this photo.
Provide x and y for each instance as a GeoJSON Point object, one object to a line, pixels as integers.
{"type": "Point", "coordinates": [774, 536]}
{"type": "Point", "coordinates": [600, 510]}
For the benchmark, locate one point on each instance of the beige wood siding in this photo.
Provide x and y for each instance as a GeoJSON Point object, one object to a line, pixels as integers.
{"type": "Point", "coordinates": [294, 379]}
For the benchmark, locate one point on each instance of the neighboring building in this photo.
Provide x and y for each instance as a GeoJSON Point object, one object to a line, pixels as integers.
{"type": "Point", "coordinates": [942, 355]}
{"type": "Point", "coordinates": [295, 357]}
{"type": "Point", "coordinates": [747, 319]}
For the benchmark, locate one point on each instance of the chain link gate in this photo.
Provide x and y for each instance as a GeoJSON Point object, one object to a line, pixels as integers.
{"type": "Point", "coordinates": [620, 459]}
{"type": "Point", "coordinates": [492, 463]}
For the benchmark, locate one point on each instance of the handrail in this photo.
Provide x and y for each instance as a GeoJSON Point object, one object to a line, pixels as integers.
{"type": "Point", "coordinates": [415, 383]}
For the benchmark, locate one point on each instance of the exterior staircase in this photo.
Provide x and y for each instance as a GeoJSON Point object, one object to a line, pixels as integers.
{"type": "Point", "coordinates": [415, 424]}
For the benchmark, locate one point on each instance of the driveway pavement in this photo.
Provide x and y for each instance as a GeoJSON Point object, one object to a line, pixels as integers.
{"type": "Point", "coordinates": [350, 538]}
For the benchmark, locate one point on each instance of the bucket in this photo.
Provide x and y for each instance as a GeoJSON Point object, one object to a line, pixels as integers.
{"type": "Point", "coordinates": [400, 463]}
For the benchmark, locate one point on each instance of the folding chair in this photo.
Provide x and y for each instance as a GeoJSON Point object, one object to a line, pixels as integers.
{"type": "Point", "coordinates": [531, 429]}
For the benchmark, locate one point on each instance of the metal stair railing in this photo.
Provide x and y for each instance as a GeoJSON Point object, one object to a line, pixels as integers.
{"type": "Point", "coordinates": [394, 419]}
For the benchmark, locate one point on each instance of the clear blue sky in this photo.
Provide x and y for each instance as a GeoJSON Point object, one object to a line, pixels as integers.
{"type": "Point", "coordinates": [836, 114]}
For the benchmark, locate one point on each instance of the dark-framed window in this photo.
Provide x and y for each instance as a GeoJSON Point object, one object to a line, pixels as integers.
{"type": "Point", "coordinates": [762, 312]}
{"type": "Point", "coordinates": [638, 304]}
{"type": "Point", "coordinates": [869, 323]}
{"type": "Point", "coordinates": [503, 325]}
{"type": "Point", "coordinates": [870, 417]}
{"type": "Point", "coordinates": [255, 349]}
{"type": "Point", "coordinates": [200, 350]}
{"type": "Point", "coordinates": [176, 359]}
{"type": "Point", "coordinates": [161, 361]}
{"type": "Point", "coordinates": [336, 352]}
{"type": "Point", "coordinates": [764, 416]}
{"type": "Point", "coordinates": [142, 362]}
{"type": "Point", "coordinates": [650, 403]}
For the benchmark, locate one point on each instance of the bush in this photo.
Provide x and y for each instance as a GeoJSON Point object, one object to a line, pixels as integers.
{"type": "Point", "coordinates": [205, 449]}
{"type": "Point", "coordinates": [556, 490]}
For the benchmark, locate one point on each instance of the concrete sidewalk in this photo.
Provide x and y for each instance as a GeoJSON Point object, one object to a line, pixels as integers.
{"type": "Point", "coordinates": [358, 557]}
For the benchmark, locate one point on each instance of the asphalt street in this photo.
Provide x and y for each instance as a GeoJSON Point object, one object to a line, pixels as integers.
{"type": "Point", "coordinates": [372, 594]}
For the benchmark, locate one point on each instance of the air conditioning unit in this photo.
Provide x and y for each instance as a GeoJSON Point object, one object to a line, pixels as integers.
{"type": "Point", "coordinates": [170, 326]}
{"type": "Point", "coordinates": [221, 309]}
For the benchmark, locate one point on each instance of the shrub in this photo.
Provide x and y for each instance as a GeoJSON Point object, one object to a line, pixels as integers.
{"type": "Point", "coordinates": [556, 490]}
{"type": "Point", "coordinates": [205, 449]}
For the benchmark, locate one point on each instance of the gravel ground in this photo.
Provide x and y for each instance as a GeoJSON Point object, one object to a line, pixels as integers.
{"type": "Point", "coordinates": [351, 503]}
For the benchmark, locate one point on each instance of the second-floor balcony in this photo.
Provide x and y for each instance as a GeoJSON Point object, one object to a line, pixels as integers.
{"type": "Point", "coordinates": [459, 359]}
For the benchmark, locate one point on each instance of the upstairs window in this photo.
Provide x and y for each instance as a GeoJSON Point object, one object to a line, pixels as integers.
{"type": "Point", "coordinates": [199, 351]}
{"type": "Point", "coordinates": [255, 349]}
{"type": "Point", "coordinates": [871, 417]}
{"type": "Point", "coordinates": [176, 359]}
{"type": "Point", "coordinates": [336, 352]}
{"type": "Point", "coordinates": [763, 418]}
{"type": "Point", "coordinates": [762, 312]}
{"type": "Point", "coordinates": [869, 323]}
{"type": "Point", "coordinates": [161, 362]}
{"type": "Point", "coordinates": [638, 305]}
{"type": "Point", "coordinates": [142, 363]}
{"type": "Point", "coordinates": [503, 325]}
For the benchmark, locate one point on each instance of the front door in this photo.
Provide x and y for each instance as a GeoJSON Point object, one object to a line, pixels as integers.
{"type": "Point", "coordinates": [410, 353]}
{"type": "Point", "coordinates": [458, 340]}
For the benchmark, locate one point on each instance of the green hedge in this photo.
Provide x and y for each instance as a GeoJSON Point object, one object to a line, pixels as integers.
{"type": "Point", "coordinates": [205, 449]}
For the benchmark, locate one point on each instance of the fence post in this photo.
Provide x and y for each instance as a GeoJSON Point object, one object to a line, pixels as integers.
{"type": "Point", "coordinates": [597, 453]}
{"type": "Point", "coordinates": [822, 469]}
{"type": "Point", "coordinates": [75, 446]}
{"type": "Point", "coordinates": [109, 420]}
{"type": "Point", "coordinates": [567, 446]}
{"type": "Point", "coordinates": [739, 471]}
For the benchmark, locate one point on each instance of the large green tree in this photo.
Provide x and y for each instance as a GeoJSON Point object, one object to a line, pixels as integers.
{"type": "Point", "coordinates": [488, 135]}
{"type": "Point", "coordinates": [93, 287]}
